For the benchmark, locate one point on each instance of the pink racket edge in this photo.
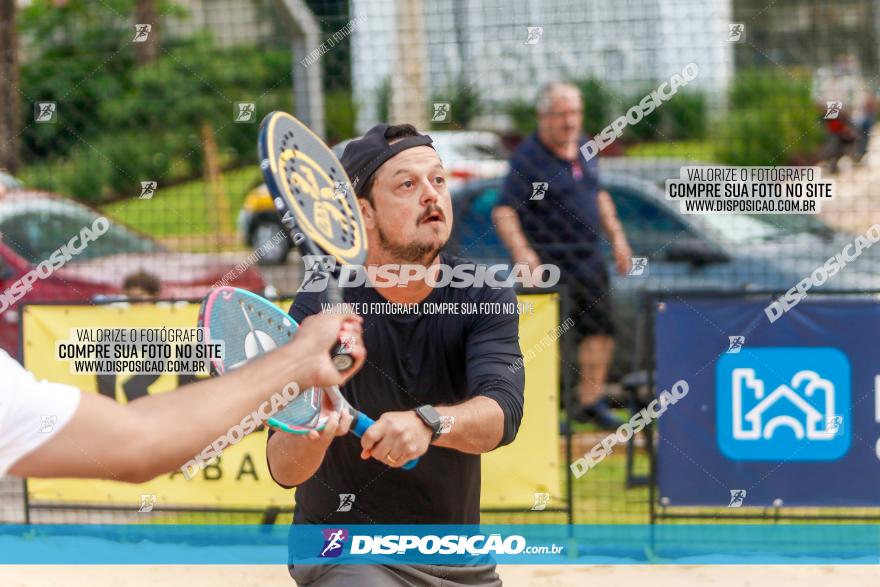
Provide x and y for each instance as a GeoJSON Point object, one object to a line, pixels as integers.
{"type": "Point", "coordinates": [205, 321]}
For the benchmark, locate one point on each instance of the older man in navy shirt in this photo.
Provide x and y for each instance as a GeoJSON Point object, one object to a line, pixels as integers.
{"type": "Point", "coordinates": [553, 211]}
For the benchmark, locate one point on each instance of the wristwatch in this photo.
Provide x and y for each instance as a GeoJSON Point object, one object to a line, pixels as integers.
{"type": "Point", "coordinates": [431, 418]}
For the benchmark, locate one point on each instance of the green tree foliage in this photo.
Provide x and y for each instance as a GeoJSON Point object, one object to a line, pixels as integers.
{"type": "Point", "coordinates": [772, 120]}
{"type": "Point", "coordinates": [120, 123]}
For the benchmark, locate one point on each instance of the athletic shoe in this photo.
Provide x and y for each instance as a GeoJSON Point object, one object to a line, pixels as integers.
{"type": "Point", "coordinates": [598, 413]}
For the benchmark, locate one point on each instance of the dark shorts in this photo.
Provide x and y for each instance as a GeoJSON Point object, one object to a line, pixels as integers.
{"type": "Point", "coordinates": [394, 575]}
{"type": "Point", "coordinates": [590, 306]}
{"type": "Point", "coordinates": [585, 277]}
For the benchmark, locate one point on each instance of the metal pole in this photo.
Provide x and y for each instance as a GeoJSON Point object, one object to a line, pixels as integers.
{"type": "Point", "coordinates": [308, 93]}
{"type": "Point", "coordinates": [409, 92]}
{"type": "Point", "coordinates": [9, 87]}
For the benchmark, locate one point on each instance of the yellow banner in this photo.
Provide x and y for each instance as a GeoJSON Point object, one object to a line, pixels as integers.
{"type": "Point", "coordinates": [514, 474]}
{"type": "Point", "coordinates": [511, 475]}
{"type": "Point", "coordinates": [241, 476]}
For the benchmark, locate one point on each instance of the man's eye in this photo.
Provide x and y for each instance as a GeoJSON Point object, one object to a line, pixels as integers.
{"type": "Point", "coordinates": [407, 184]}
{"type": "Point", "coordinates": [440, 179]}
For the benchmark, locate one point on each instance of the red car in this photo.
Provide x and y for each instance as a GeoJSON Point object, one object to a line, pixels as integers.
{"type": "Point", "coordinates": [33, 225]}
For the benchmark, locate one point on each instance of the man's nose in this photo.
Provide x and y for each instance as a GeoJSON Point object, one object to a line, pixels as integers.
{"type": "Point", "coordinates": [430, 193]}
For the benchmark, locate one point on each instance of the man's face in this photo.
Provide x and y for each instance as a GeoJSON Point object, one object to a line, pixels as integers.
{"type": "Point", "coordinates": [561, 124]}
{"type": "Point", "coordinates": [411, 215]}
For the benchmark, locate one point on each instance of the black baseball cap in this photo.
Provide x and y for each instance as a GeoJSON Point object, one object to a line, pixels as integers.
{"type": "Point", "coordinates": [362, 157]}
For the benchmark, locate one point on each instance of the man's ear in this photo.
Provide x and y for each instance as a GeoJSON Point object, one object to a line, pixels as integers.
{"type": "Point", "coordinates": [368, 212]}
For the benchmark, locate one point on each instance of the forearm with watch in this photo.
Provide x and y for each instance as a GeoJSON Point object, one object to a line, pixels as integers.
{"type": "Point", "coordinates": [474, 426]}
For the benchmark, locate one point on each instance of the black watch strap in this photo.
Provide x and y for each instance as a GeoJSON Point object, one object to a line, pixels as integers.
{"type": "Point", "coordinates": [431, 417]}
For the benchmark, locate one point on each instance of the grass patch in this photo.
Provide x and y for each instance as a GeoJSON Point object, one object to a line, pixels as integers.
{"type": "Point", "coordinates": [600, 497]}
{"type": "Point", "coordinates": [695, 150]}
{"type": "Point", "coordinates": [184, 209]}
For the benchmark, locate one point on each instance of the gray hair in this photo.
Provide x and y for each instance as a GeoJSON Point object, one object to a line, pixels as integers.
{"type": "Point", "coordinates": [551, 90]}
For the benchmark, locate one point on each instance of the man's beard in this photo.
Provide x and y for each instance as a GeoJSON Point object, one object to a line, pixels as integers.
{"type": "Point", "coordinates": [423, 253]}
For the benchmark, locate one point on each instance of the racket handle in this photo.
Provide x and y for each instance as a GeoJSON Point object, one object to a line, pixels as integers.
{"type": "Point", "coordinates": [362, 422]}
{"type": "Point", "coordinates": [341, 357]}
{"type": "Point", "coordinates": [341, 354]}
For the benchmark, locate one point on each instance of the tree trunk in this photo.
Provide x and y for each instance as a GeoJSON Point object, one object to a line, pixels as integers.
{"type": "Point", "coordinates": [9, 90]}
{"type": "Point", "coordinates": [214, 184]}
{"type": "Point", "coordinates": [145, 13]}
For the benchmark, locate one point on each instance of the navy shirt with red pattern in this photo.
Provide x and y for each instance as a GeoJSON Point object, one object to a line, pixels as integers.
{"type": "Point", "coordinates": [564, 226]}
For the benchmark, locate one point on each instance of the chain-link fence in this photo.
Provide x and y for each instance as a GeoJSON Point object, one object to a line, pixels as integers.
{"type": "Point", "coordinates": [559, 126]}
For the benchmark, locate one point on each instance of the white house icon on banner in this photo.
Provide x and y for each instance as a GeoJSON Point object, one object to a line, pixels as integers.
{"type": "Point", "coordinates": [802, 418]}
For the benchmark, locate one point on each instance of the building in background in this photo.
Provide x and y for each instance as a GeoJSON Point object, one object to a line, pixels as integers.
{"type": "Point", "coordinates": [796, 33]}
{"type": "Point", "coordinates": [230, 22]}
{"type": "Point", "coordinates": [484, 44]}
{"type": "Point", "coordinates": [625, 45]}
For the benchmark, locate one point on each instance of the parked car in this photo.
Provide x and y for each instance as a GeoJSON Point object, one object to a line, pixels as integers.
{"type": "Point", "coordinates": [258, 223]}
{"type": "Point", "coordinates": [730, 252]}
{"type": "Point", "coordinates": [658, 169]}
{"type": "Point", "coordinates": [35, 224]}
{"type": "Point", "coordinates": [8, 182]}
{"type": "Point", "coordinates": [470, 155]}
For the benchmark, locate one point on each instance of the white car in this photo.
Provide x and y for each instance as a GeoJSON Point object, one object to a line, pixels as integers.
{"type": "Point", "coordinates": [8, 183]}
{"type": "Point", "coordinates": [467, 155]}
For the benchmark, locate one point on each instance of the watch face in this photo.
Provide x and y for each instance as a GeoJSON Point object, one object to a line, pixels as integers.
{"type": "Point", "coordinates": [432, 419]}
{"type": "Point", "coordinates": [431, 416]}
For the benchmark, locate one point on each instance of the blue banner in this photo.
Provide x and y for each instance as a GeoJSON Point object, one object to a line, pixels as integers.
{"type": "Point", "coordinates": [778, 414]}
{"type": "Point", "coordinates": [443, 545]}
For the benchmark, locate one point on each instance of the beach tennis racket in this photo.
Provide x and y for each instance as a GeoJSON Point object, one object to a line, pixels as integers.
{"type": "Point", "coordinates": [250, 326]}
{"type": "Point", "coordinates": [313, 195]}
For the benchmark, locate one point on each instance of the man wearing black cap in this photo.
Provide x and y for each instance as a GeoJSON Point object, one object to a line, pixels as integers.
{"type": "Point", "coordinates": [438, 385]}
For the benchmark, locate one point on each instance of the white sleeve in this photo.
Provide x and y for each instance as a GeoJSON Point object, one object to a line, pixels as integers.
{"type": "Point", "coordinates": [31, 411]}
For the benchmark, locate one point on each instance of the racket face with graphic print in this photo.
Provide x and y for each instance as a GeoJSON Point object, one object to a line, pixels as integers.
{"type": "Point", "coordinates": [247, 324]}
{"type": "Point", "coordinates": [314, 198]}
{"type": "Point", "coordinates": [311, 189]}
{"type": "Point", "coordinates": [250, 326]}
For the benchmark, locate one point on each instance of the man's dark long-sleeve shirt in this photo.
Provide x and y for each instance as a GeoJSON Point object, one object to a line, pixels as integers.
{"type": "Point", "coordinates": [412, 360]}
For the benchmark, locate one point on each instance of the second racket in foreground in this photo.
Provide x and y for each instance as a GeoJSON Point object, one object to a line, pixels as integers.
{"type": "Point", "coordinates": [250, 326]}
